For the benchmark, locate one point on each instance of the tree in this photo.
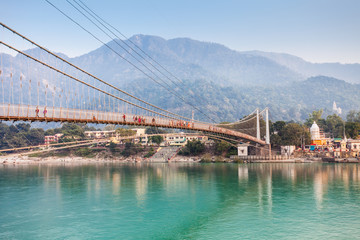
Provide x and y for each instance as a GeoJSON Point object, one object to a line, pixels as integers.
{"type": "Point", "coordinates": [125, 132]}
{"type": "Point", "coordinates": [154, 130]}
{"type": "Point", "coordinates": [295, 134]}
{"type": "Point", "coordinates": [352, 129]}
{"type": "Point", "coordinates": [36, 136]}
{"type": "Point", "coordinates": [194, 147]}
{"type": "Point", "coordinates": [130, 149]}
{"type": "Point", "coordinates": [112, 147]}
{"type": "Point", "coordinates": [315, 116]}
{"type": "Point", "coordinates": [23, 127]}
{"type": "Point", "coordinates": [278, 126]}
{"type": "Point", "coordinates": [50, 132]}
{"type": "Point", "coordinates": [275, 140]}
{"type": "Point", "coordinates": [72, 130]}
{"type": "Point", "coordinates": [353, 116]}
{"type": "Point", "coordinates": [87, 128]}
{"type": "Point", "coordinates": [221, 147]}
{"type": "Point", "coordinates": [157, 139]}
{"type": "Point", "coordinates": [334, 125]}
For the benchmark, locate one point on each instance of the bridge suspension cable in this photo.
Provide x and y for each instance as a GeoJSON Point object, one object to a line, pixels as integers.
{"type": "Point", "coordinates": [89, 85]}
{"type": "Point", "coordinates": [89, 74]}
{"type": "Point", "coordinates": [132, 64]}
{"type": "Point", "coordinates": [140, 54]}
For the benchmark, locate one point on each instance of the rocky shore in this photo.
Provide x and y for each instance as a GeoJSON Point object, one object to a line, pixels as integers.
{"type": "Point", "coordinates": [16, 159]}
{"type": "Point", "coordinates": [19, 159]}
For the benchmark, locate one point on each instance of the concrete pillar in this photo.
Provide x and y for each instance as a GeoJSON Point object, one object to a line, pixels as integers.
{"type": "Point", "coordinates": [257, 124]}
{"type": "Point", "coordinates": [269, 149]}
{"type": "Point", "coordinates": [267, 136]}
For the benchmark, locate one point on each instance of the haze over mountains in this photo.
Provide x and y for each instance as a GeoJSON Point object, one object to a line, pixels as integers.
{"type": "Point", "coordinates": [225, 83]}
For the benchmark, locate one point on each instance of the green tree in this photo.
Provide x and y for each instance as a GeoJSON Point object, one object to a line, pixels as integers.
{"type": "Point", "coordinates": [130, 149]}
{"type": "Point", "coordinates": [154, 130]}
{"type": "Point", "coordinates": [194, 147]}
{"type": "Point", "coordinates": [157, 139]}
{"type": "Point", "coordinates": [72, 130]}
{"type": "Point", "coordinates": [222, 147]}
{"type": "Point", "coordinates": [278, 126]}
{"type": "Point", "coordinates": [353, 116]}
{"type": "Point", "coordinates": [112, 147]}
{"type": "Point", "coordinates": [275, 140]}
{"type": "Point", "coordinates": [35, 136]}
{"type": "Point", "coordinates": [352, 129]}
{"type": "Point", "coordinates": [334, 125]}
{"type": "Point", "coordinates": [295, 134]}
{"type": "Point", "coordinates": [49, 132]}
{"type": "Point", "coordinates": [23, 127]}
{"type": "Point", "coordinates": [315, 116]}
{"type": "Point", "coordinates": [123, 132]}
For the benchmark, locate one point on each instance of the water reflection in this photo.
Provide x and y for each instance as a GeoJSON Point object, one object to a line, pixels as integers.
{"type": "Point", "coordinates": [243, 173]}
{"type": "Point", "coordinates": [141, 181]}
{"type": "Point", "coordinates": [228, 181]}
{"type": "Point", "coordinates": [172, 201]}
{"type": "Point", "coordinates": [116, 182]}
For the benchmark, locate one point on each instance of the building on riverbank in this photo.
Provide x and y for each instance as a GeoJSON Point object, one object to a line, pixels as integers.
{"type": "Point", "coordinates": [52, 138]}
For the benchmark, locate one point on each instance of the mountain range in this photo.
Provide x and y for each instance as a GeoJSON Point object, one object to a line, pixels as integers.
{"type": "Point", "coordinates": [226, 84]}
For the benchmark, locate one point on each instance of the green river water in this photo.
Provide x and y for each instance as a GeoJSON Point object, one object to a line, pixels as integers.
{"type": "Point", "coordinates": [180, 201]}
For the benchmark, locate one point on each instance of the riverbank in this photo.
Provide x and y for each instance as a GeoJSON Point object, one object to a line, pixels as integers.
{"type": "Point", "coordinates": [19, 159]}
{"type": "Point", "coordinates": [81, 160]}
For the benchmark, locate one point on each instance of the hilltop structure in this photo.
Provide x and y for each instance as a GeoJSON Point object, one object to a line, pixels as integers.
{"type": "Point", "coordinates": [336, 110]}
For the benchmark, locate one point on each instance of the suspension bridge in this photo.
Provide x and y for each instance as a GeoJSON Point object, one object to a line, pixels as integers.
{"type": "Point", "coordinates": [41, 86]}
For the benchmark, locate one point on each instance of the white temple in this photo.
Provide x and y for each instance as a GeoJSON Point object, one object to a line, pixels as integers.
{"type": "Point", "coordinates": [315, 132]}
{"type": "Point", "coordinates": [336, 110]}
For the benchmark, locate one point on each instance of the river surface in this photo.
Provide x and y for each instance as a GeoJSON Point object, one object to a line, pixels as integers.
{"type": "Point", "coordinates": [180, 201]}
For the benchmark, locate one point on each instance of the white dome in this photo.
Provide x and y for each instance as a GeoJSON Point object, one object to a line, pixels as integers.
{"type": "Point", "coordinates": [314, 127]}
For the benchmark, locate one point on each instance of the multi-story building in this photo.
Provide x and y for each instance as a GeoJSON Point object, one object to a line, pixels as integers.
{"type": "Point", "coordinates": [100, 134]}
{"type": "Point", "coordinates": [354, 146]}
{"type": "Point", "coordinates": [52, 138]}
{"type": "Point", "coordinates": [175, 139]}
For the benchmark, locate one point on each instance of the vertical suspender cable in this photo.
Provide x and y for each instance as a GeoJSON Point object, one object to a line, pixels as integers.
{"type": "Point", "coordinates": [2, 72]}
{"type": "Point", "coordinates": [11, 82]}
{"type": "Point", "coordinates": [2, 79]}
{"type": "Point", "coordinates": [38, 97]}
{"type": "Point", "coordinates": [53, 101]}
{"type": "Point", "coordinates": [46, 91]}
{"type": "Point", "coordinates": [38, 82]}
{"type": "Point", "coordinates": [28, 73]}
{"type": "Point", "coordinates": [20, 95]}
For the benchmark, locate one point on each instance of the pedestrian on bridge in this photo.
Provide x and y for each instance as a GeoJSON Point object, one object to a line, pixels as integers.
{"type": "Point", "coordinates": [45, 112]}
{"type": "Point", "coordinates": [37, 111]}
{"type": "Point", "coordinates": [124, 117]}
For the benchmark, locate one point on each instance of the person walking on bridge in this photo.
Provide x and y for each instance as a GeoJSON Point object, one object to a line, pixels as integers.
{"type": "Point", "coordinates": [124, 117]}
{"type": "Point", "coordinates": [45, 112]}
{"type": "Point", "coordinates": [37, 111]}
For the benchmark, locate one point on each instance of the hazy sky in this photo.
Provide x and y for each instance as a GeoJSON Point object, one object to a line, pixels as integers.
{"type": "Point", "coordinates": [315, 30]}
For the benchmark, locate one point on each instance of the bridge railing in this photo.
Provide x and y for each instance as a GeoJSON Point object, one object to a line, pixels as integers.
{"type": "Point", "coordinates": [41, 113]}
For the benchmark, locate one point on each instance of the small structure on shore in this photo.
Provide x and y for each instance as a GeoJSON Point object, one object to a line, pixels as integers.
{"type": "Point", "coordinates": [243, 150]}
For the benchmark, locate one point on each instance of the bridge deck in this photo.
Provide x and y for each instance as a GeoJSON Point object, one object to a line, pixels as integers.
{"type": "Point", "coordinates": [12, 112]}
